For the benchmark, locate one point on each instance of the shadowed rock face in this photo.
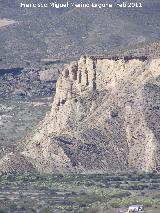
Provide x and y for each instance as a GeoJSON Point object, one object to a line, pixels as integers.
{"type": "Point", "coordinates": [105, 117]}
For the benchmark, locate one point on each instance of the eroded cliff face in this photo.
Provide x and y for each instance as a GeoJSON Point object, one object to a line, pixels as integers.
{"type": "Point", "coordinates": [105, 117]}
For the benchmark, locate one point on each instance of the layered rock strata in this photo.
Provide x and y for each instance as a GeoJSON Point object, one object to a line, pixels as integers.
{"type": "Point", "coordinates": [105, 117]}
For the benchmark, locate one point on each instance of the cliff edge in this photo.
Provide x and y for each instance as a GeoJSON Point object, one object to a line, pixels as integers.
{"type": "Point", "coordinates": [105, 117]}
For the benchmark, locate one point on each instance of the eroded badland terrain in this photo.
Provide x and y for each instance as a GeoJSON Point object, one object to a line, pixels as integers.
{"type": "Point", "coordinates": [79, 109]}
{"type": "Point", "coordinates": [104, 117]}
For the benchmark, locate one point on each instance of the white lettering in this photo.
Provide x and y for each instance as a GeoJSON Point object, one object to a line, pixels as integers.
{"type": "Point", "coordinates": [123, 4]}
{"type": "Point", "coordinates": [56, 5]}
{"type": "Point", "coordinates": [140, 5]}
{"type": "Point", "coordinates": [23, 5]}
{"type": "Point", "coordinates": [120, 5]}
{"type": "Point", "coordinates": [94, 5]}
{"type": "Point", "coordinates": [64, 5]}
{"type": "Point", "coordinates": [28, 5]}
{"type": "Point", "coordinates": [129, 5]}
{"type": "Point", "coordinates": [82, 5]}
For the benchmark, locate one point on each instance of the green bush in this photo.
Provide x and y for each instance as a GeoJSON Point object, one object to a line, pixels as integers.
{"type": "Point", "coordinates": [115, 204]}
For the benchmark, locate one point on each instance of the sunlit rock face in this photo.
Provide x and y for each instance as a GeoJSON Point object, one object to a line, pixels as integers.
{"type": "Point", "coordinates": [105, 117]}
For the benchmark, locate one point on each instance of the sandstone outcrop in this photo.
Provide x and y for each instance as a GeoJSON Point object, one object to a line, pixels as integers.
{"type": "Point", "coordinates": [105, 117]}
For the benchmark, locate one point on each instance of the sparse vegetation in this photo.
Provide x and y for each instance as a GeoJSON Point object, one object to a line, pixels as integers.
{"type": "Point", "coordinates": [73, 193]}
{"type": "Point", "coordinates": [18, 118]}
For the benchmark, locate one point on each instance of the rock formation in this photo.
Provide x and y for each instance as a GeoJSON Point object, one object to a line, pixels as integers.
{"type": "Point", "coordinates": [105, 117]}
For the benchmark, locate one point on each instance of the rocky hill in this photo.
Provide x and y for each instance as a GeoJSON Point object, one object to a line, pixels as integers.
{"type": "Point", "coordinates": [105, 117]}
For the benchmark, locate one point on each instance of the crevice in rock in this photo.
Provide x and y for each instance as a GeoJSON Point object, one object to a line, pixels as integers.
{"type": "Point", "coordinates": [94, 77]}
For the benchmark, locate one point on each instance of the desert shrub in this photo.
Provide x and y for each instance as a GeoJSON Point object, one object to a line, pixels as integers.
{"type": "Point", "coordinates": [117, 185]}
{"type": "Point", "coordinates": [142, 194]}
{"type": "Point", "coordinates": [154, 186]}
{"type": "Point", "coordinates": [88, 199]}
{"type": "Point", "coordinates": [146, 201]}
{"type": "Point", "coordinates": [156, 196]}
{"type": "Point", "coordinates": [150, 175]}
{"type": "Point", "coordinates": [47, 210]}
{"type": "Point", "coordinates": [121, 195]}
{"type": "Point", "coordinates": [116, 178]}
{"type": "Point", "coordinates": [99, 207]}
{"type": "Point", "coordinates": [13, 206]}
{"type": "Point", "coordinates": [94, 210]}
{"type": "Point", "coordinates": [155, 181]}
{"type": "Point", "coordinates": [137, 187]}
{"type": "Point", "coordinates": [115, 204]}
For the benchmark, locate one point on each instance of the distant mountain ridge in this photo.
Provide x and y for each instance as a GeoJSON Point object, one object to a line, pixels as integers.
{"type": "Point", "coordinates": [42, 33]}
{"type": "Point", "coordinates": [150, 50]}
{"type": "Point", "coordinates": [38, 35]}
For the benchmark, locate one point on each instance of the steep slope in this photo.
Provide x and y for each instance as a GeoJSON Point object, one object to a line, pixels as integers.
{"type": "Point", "coordinates": [105, 117]}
